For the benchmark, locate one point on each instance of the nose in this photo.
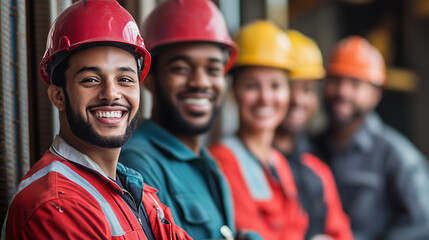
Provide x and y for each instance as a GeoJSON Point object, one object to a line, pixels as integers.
{"type": "Point", "coordinates": [109, 91]}
{"type": "Point", "coordinates": [265, 94]}
{"type": "Point", "coordinates": [345, 88]}
{"type": "Point", "coordinates": [339, 87]}
{"type": "Point", "coordinates": [199, 79]}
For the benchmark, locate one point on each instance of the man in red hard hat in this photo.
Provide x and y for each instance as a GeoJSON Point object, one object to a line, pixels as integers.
{"type": "Point", "coordinates": [192, 50]}
{"type": "Point", "coordinates": [78, 190]}
{"type": "Point", "coordinates": [382, 178]}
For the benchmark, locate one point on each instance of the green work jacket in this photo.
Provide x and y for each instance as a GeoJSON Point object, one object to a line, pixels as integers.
{"type": "Point", "coordinates": [190, 185]}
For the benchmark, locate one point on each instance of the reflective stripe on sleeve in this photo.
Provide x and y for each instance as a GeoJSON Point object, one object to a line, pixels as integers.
{"type": "Point", "coordinates": [67, 172]}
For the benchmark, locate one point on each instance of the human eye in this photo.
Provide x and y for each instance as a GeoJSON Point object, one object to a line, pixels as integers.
{"type": "Point", "coordinates": [89, 81]}
{"type": "Point", "coordinates": [215, 70]}
{"type": "Point", "coordinates": [251, 85]}
{"type": "Point", "coordinates": [126, 80]}
{"type": "Point", "coordinates": [180, 69]}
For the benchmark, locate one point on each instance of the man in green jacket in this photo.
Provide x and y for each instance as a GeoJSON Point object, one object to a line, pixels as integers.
{"type": "Point", "coordinates": [191, 52]}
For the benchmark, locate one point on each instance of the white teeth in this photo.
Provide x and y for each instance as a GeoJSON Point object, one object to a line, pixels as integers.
{"type": "Point", "coordinates": [197, 101]}
{"type": "Point", "coordinates": [264, 112]}
{"type": "Point", "coordinates": [111, 114]}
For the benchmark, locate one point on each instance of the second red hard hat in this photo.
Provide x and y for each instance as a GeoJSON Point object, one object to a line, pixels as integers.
{"type": "Point", "coordinates": [178, 21]}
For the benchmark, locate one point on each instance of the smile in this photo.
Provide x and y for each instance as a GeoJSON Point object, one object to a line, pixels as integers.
{"type": "Point", "coordinates": [108, 114]}
{"type": "Point", "coordinates": [197, 101]}
{"type": "Point", "coordinates": [264, 112]}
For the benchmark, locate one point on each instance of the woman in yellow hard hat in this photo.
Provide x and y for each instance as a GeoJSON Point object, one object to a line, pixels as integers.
{"type": "Point", "coordinates": [263, 188]}
{"type": "Point", "coordinates": [316, 185]}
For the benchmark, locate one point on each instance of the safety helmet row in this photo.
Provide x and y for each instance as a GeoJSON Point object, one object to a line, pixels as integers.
{"type": "Point", "coordinates": [105, 21]}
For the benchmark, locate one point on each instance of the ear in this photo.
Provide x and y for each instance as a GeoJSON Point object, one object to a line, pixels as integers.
{"type": "Point", "coordinates": [57, 97]}
{"type": "Point", "coordinates": [149, 83]}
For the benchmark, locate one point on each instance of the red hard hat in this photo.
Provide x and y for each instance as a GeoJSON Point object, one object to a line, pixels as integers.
{"type": "Point", "coordinates": [178, 21]}
{"type": "Point", "coordinates": [93, 21]}
{"type": "Point", "coordinates": [356, 57]}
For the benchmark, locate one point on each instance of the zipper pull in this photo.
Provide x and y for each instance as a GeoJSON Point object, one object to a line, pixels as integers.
{"type": "Point", "coordinates": [226, 232]}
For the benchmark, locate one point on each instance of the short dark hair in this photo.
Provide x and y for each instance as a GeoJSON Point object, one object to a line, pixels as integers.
{"type": "Point", "coordinates": [58, 76]}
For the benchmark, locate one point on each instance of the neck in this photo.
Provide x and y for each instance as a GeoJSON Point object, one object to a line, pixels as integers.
{"type": "Point", "coordinates": [192, 142]}
{"type": "Point", "coordinates": [342, 134]}
{"type": "Point", "coordinates": [258, 143]}
{"type": "Point", "coordinates": [105, 158]}
{"type": "Point", "coordinates": [285, 141]}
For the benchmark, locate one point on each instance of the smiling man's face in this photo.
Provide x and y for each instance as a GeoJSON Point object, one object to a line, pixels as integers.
{"type": "Point", "coordinates": [102, 95]}
{"type": "Point", "coordinates": [189, 86]}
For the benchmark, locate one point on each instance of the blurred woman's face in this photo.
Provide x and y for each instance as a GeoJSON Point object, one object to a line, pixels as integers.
{"type": "Point", "coordinates": [262, 95]}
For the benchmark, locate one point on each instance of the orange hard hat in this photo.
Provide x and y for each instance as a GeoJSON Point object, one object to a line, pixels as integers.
{"type": "Point", "coordinates": [180, 21]}
{"type": "Point", "coordinates": [97, 22]}
{"type": "Point", "coordinates": [355, 57]}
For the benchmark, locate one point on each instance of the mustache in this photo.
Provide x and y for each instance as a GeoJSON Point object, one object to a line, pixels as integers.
{"type": "Point", "coordinates": [340, 100]}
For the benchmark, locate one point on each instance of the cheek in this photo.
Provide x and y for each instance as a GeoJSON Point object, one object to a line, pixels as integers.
{"type": "Point", "coordinates": [247, 99]}
{"type": "Point", "coordinates": [134, 99]}
{"type": "Point", "coordinates": [282, 97]}
{"type": "Point", "coordinates": [330, 90]}
{"type": "Point", "coordinates": [220, 86]}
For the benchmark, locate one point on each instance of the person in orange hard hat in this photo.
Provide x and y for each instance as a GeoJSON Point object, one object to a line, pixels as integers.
{"type": "Point", "coordinates": [191, 51]}
{"type": "Point", "coordinates": [382, 178]}
{"type": "Point", "coordinates": [78, 190]}
{"type": "Point", "coordinates": [316, 185]}
{"type": "Point", "coordinates": [263, 188]}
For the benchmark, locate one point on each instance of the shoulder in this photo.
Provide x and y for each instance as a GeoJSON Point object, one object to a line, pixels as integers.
{"type": "Point", "coordinates": [43, 195]}
{"type": "Point", "coordinates": [221, 152]}
{"type": "Point", "coordinates": [314, 162]}
{"type": "Point", "coordinates": [399, 146]}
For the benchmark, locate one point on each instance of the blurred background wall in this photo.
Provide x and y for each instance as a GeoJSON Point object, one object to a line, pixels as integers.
{"type": "Point", "coordinates": [398, 28]}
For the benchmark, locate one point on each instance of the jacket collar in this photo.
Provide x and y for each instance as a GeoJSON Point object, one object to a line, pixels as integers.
{"type": "Point", "coordinates": [363, 138]}
{"type": "Point", "coordinates": [167, 142]}
{"type": "Point", "coordinates": [64, 150]}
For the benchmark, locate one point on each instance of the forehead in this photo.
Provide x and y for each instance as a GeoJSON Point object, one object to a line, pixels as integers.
{"type": "Point", "coordinates": [260, 74]}
{"type": "Point", "coordinates": [103, 55]}
{"type": "Point", "coordinates": [192, 52]}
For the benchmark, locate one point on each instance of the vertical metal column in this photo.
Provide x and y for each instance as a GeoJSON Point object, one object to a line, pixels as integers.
{"type": "Point", "coordinates": [7, 153]}
{"type": "Point", "coordinates": [21, 91]}
{"type": "Point", "coordinates": [14, 155]}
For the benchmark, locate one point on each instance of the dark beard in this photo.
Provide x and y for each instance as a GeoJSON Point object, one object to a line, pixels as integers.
{"type": "Point", "coordinates": [339, 122]}
{"type": "Point", "coordinates": [84, 131]}
{"type": "Point", "coordinates": [171, 119]}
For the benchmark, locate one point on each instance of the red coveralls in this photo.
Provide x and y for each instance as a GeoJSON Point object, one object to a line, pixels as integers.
{"type": "Point", "coordinates": [272, 208]}
{"type": "Point", "coordinates": [60, 199]}
{"type": "Point", "coordinates": [337, 224]}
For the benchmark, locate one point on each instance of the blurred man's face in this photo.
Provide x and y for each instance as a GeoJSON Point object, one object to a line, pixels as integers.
{"type": "Point", "coordinates": [189, 86]}
{"type": "Point", "coordinates": [349, 99]}
{"type": "Point", "coordinates": [102, 95]}
{"type": "Point", "coordinates": [303, 105]}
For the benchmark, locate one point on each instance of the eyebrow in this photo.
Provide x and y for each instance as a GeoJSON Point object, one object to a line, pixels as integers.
{"type": "Point", "coordinates": [97, 69]}
{"type": "Point", "coordinates": [187, 58]}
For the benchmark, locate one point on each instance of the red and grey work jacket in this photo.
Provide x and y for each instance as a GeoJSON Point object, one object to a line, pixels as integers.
{"type": "Point", "coordinates": [265, 198]}
{"type": "Point", "coordinates": [65, 195]}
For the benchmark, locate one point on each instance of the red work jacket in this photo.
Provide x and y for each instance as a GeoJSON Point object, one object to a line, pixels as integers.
{"type": "Point", "coordinates": [61, 199]}
{"type": "Point", "coordinates": [263, 202]}
{"type": "Point", "coordinates": [337, 224]}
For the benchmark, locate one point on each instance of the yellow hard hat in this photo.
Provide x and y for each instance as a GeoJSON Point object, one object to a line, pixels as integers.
{"type": "Point", "coordinates": [262, 43]}
{"type": "Point", "coordinates": [308, 61]}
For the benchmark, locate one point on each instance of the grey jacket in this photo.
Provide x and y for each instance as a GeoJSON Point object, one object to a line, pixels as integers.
{"type": "Point", "coordinates": [383, 181]}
